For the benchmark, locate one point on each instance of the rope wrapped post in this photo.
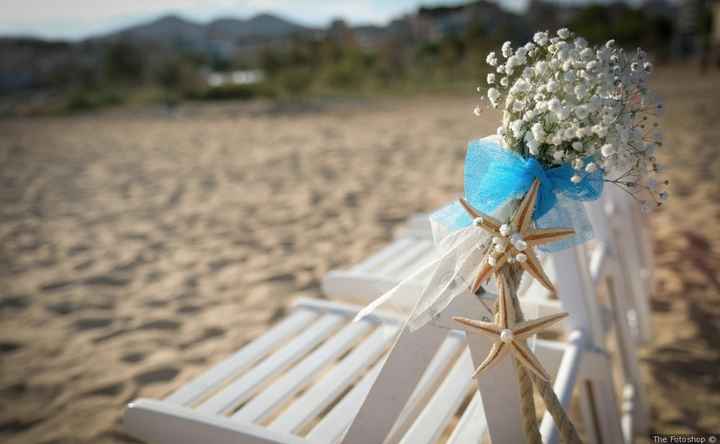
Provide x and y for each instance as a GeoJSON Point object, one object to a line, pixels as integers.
{"type": "Point", "coordinates": [509, 253]}
{"type": "Point", "coordinates": [530, 425]}
{"type": "Point", "coordinates": [527, 379]}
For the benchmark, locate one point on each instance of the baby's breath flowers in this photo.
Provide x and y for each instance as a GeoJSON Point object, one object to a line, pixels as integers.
{"type": "Point", "coordinates": [564, 101]}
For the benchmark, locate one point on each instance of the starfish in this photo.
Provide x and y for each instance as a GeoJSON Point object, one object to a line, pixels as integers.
{"type": "Point", "coordinates": [509, 335]}
{"type": "Point", "coordinates": [514, 241]}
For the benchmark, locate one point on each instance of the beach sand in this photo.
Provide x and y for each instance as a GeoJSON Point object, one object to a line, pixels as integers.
{"type": "Point", "coordinates": [138, 247]}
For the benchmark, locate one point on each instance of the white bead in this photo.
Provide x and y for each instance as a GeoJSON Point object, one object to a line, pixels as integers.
{"type": "Point", "coordinates": [521, 245]}
{"type": "Point", "coordinates": [505, 229]}
{"type": "Point", "coordinates": [576, 179]}
{"type": "Point", "coordinates": [521, 257]}
{"type": "Point", "coordinates": [478, 221]}
{"type": "Point", "coordinates": [491, 261]}
{"type": "Point", "coordinates": [496, 240]}
{"type": "Point", "coordinates": [500, 248]}
{"type": "Point", "coordinates": [506, 335]}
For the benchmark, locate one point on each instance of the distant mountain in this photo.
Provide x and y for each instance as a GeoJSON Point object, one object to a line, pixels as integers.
{"type": "Point", "coordinates": [262, 26]}
{"type": "Point", "coordinates": [175, 31]}
{"type": "Point", "coordinates": [165, 29]}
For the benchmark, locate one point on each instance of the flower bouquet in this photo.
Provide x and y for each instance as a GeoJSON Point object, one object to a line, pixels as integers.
{"type": "Point", "coordinates": [574, 117]}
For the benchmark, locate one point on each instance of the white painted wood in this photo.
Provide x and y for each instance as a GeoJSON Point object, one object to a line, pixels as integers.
{"type": "Point", "coordinates": [597, 371]}
{"type": "Point", "coordinates": [403, 262]}
{"type": "Point", "coordinates": [361, 288]}
{"type": "Point", "coordinates": [564, 385]}
{"type": "Point", "coordinates": [577, 294]}
{"type": "Point", "coordinates": [593, 430]}
{"type": "Point", "coordinates": [162, 422]}
{"type": "Point", "coordinates": [626, 235]}
{"type": "Point", "coordinates": [422, 259]}
{"type": "Point", "coordinates": [429, 381]}
{"type": "Point", "coordinates": [500, 393]}
{"type": "Point", "coordinates": [442, 406]}
{"type": "Point", "coordinates": [550, 354]}
{"type": "Point", "coordinates": [301, 375]}
{"type": "Point", "coordinates": [472, 426]}
{"type": "Point", "coordinates": [417, 225]}
{"type": "Point", "coordinates": [628, 357]}
{"type": "Point", "coordinates": [629, 311]}
{"type": "Point", "coordinates": [334, 424]}
{"type": "Point", "coordinates": [388, 253]}
{"type": "Point", "coordinates": [406, 362]}
{"type": "Point", "coordinates": [243, 359]}
{"type": "Point", "coordinates": [629, 256]}
{"type": "Point", "coordinates": [646, 247]}
{"type": "Point", "coordinates": [498, 384]}
{"type": "Point", "coordinates": [243, 388]}
{"type": "Point", "coordinates": [320, 395]}
{"type": "Point", "coordinates": [385, 318]}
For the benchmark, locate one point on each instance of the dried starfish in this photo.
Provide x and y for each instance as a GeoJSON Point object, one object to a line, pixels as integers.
{"type": "Point", "coordinates": [508, 335]}
{"type": "Point", "coordinates": [514, 241]}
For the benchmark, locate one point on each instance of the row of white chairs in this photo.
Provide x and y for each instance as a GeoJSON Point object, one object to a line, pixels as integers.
{"type": "Point", "coordinates": [317, 377]}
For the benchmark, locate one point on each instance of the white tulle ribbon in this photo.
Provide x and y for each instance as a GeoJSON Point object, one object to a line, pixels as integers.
{"type": "Point", "coordinates": [458, 259]}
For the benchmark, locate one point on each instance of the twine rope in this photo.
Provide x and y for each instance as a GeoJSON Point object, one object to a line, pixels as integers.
{"type": "Point", "coordinates": [529, 416]}
{"type": "Point", "coordinates": [526, 380]}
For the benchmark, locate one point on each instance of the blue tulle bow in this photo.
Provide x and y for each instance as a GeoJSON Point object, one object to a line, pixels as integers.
{"type": "Point", "coordinates": [494, 175]}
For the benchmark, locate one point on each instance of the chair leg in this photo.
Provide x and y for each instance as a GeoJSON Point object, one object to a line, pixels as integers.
{"type": "Point", "coordinates": [599, 402]}
{"type": "Point", "coordinates": [628, 357]}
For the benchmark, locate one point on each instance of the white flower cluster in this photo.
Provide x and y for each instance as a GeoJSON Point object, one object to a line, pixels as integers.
{"type": "Point", "coordinates": [565, 101]}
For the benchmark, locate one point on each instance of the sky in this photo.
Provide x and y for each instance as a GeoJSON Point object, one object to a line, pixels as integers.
{"type": "Point", "coordinates": [77, 19]}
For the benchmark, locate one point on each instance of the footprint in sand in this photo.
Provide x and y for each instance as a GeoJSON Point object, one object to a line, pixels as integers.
{"type": "Point", "coordinates": [156, 376]}
{"type": "Point", "coordinates": [7, 347]}
{"type": "Point", "coordinates": [92, 323]}
{"type": "Point", "coordinates": [107, 280]}
{"type": "Point", "coordinates": [56, 285]}
{"type": "Point", "coordinates": [133, 357]}
{"type": "Point", "coordinates": [77, 249]}
{"type": "Point", "coordinates": [208, 333]}
{"type": "Point", "coordinates": [61, 308]}
{"type": "Point", "coordinates": [14, 303]}
{"type": "Point", "coordinates": [188, 309]}
{"type": "Point", "coordinates": [160, 324]}
{"type": "Point", "coordinates": [111, 390]}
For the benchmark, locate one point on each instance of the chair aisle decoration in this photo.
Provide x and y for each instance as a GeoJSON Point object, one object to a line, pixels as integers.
{"type": "Point", "coordinates": [574, 117]}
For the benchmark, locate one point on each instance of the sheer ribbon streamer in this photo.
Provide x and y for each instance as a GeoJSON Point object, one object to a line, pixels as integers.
{"type": "Point", "coordinates": [494, 178]}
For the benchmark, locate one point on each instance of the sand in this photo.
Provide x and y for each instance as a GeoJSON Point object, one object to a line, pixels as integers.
{"type": "Point", "coordinates": [138, 247]}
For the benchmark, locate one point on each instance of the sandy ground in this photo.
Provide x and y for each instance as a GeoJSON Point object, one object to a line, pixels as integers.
{"type": "Point", "coordinates": [137, 248]}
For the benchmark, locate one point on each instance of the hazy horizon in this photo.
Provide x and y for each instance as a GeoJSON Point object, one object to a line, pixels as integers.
{"type": "Point", "coordinates": [78, 19]}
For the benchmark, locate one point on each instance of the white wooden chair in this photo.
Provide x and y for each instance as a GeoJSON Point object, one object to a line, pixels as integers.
{"type": "Point", "coordinates": [316, 377]}
{"type": "Point", "coordinates": [601, 264]}
{"type": "Point", "coordinates": [305, 380]}
{"type": "Point", "coordinates": [612, 270]}
{"type": "Point", "coordinates": [633, 249]}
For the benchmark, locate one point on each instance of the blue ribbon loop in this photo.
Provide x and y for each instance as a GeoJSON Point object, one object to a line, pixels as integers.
{"type": "Point", "coordinates": [495, 175]}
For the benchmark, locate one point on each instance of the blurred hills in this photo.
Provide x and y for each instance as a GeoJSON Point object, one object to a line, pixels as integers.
{"type": "Point", "coordinates": [172, 30]}
{"type": "Point", "coordinates": [441, 45]}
